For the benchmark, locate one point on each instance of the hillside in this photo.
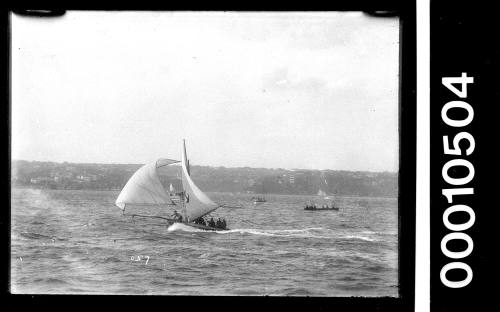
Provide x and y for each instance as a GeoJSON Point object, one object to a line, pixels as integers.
{"type": "Point", "coordinates": [211, 179]}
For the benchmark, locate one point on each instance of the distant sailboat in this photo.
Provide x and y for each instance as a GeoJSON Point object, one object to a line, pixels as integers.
{"type": "Point", "coordinates": [173, 194]}
{"type": "Point", "coordinates": [321, 193]}
{"type": "Point", "coordinates": [144, 189]}
{"type": "Point", "coordinates": [259, 199]}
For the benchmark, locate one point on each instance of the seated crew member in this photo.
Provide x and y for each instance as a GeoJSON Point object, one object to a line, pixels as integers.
{"type": "Point", "coordinates": [224, 223]}
{"type": "Point", "coordinates": [218, 223]}
{"type": "Point", "coordinates": [176, 216]}
{"type": "Point", "coordinates": [211, 222]}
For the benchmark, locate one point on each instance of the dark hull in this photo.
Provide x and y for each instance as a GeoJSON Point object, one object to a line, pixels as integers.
{"type": "Point", "coordinates": [205, 227]}
{"type": "Point", "coordinates": [314, 209]}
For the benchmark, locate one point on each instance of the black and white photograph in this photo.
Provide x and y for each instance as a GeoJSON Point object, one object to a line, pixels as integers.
{"type": "Point", "coordinates": [205, 153]}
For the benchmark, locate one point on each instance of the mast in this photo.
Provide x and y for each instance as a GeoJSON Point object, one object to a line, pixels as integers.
{"type": "Point", "coordinates": [195, 203]}
{"type": "Point", "coordinates": [185, 198]}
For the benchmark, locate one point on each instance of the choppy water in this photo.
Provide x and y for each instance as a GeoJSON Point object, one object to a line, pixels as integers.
{"type": "Point", "coordinates": [78, 242]}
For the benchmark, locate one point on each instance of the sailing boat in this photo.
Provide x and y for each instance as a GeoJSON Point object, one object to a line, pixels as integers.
{"type": "Point", "coordinates": [259, 199]}
{"type": "Point", "coordinates": [321, 193]}
{"type": "Point", "coordinates": [324, 195]}
{"type": "Point", "coordinates": [144, 190]}
{"type": "Point", "coordinates": [173, 194]}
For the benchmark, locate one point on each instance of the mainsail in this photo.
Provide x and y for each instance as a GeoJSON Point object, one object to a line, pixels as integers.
{"type": "Point", "coordinates": [321, 185]}
{"type": "Point", "coordinates": [144, 187]}
{"type": "Point", "coordinates": [197, 203]}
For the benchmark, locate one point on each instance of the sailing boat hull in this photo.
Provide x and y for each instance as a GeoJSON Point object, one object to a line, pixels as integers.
{"type": "Point", "coordinates": [204, 227]}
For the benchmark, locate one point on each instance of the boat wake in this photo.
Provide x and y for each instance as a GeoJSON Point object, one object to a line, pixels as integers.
{"type": "Point", "coordinates": [307, 232]}
{"type": "Point", "coordinates": [313, 232]}
{"type": "Point", "coordinates": [299, 233]}
{"type": "Point", "coordinates": [182, 227]}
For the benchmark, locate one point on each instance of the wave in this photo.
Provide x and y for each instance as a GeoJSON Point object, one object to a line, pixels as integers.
{"type": "Point", "coordinates": [112, 259]}
{"type": "Point", "coordinates": [36, 236]}
{"type": "Point", "coordinates": [298, 292]}
{"type": "Point", "coordinates": [360, 237]}
{"type": "Point", "coordinates": [50, 280]}
{"type": "Point", "coordinates": [387, 233]}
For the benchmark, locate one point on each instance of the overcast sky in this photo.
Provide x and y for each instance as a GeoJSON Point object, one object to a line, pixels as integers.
{"type": "Point", "coordinates": [275, 90]}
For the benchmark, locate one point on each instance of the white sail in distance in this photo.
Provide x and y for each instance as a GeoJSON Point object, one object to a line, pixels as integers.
{"type": "Point", "coordinates": [197, 203]}
{"type": "Point", "coordinates": [144, 187]}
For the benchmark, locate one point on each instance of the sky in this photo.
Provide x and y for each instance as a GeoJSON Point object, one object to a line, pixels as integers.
{"type": "Point", "coordinates": [310, 90]}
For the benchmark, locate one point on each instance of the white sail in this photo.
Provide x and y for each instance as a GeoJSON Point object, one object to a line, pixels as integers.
{"type": "Point", "coordinates": [144, 187]}
{"type": "Point", "coordinates": [197, 203]}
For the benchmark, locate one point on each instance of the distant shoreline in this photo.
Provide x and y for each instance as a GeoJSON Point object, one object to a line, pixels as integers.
{"type": "Point", "coordinates": [72, 176]}
{"type": "Point", "coordinates": [200, 165]}
{"type": "Point", "coordinates": [217, 192]}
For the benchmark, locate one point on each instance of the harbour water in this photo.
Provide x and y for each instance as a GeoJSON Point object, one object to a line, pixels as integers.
{"type": "Point", "coordinates": [78, 242]}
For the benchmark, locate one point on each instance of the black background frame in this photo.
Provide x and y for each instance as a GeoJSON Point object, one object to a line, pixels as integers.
{"type": "Point", "coordinates": [464, 39]}
{"type": "Point", "coordinates": [406, 202]}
